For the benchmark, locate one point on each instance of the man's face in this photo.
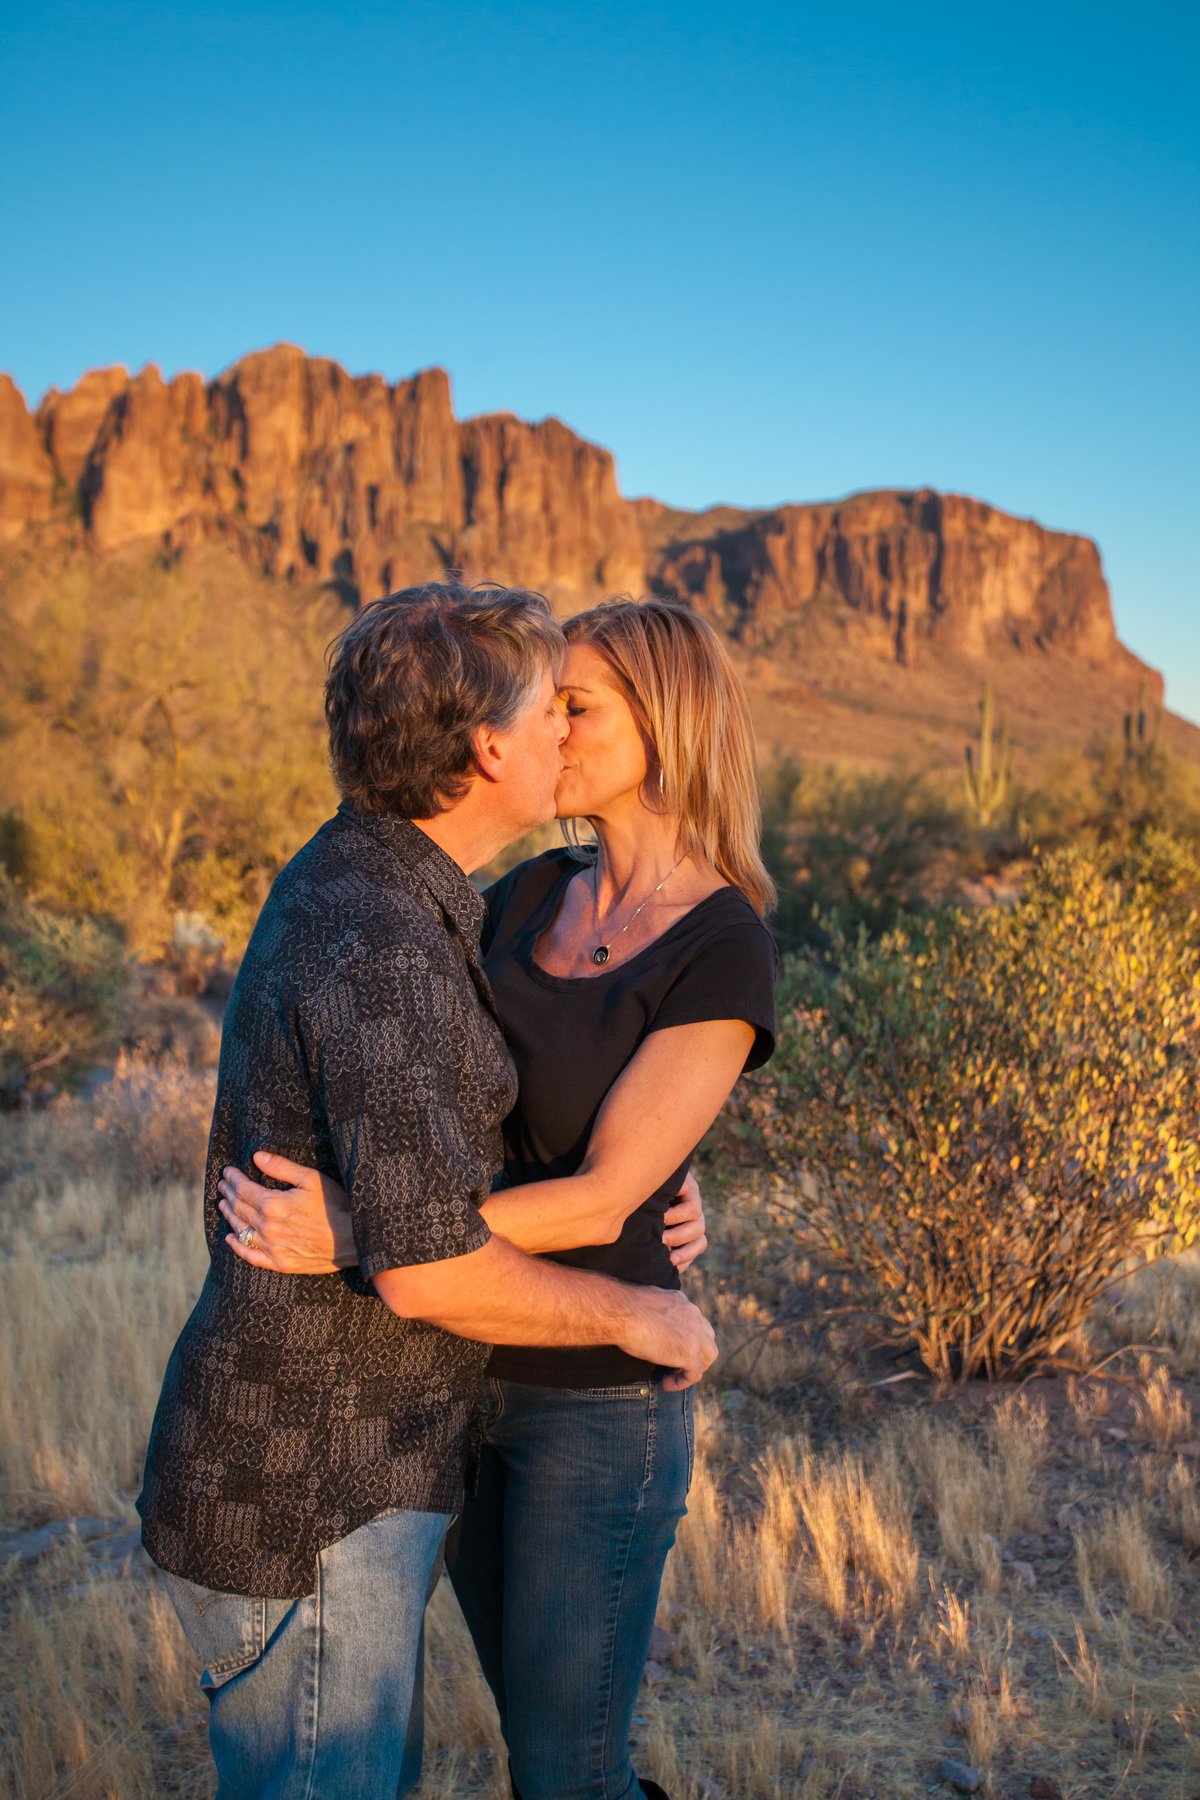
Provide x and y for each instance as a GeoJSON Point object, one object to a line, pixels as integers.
{"type": "Point", "coordinates": [534, 752]}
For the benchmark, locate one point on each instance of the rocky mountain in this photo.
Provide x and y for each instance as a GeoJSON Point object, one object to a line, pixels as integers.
{"type": "Point", "coordinates": [315, 475]}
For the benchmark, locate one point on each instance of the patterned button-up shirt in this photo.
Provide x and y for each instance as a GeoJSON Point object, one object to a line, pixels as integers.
{"type": "Point", "coordinates": [361, 1038]}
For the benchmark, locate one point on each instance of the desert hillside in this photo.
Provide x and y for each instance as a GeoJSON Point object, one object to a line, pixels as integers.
{"type": "Point", "coordinates": [865, 628]}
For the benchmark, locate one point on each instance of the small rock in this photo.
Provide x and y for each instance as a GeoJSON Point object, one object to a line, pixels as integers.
{"type": "Point", "coordinates": [707, 1788]}
{"type": "Point", "coordinates": [28, 1546]}
{"type": "Point", "coordinates": [1024, 1573]}
{"type": "Point", "coordinates": [1191, 1448]}
{"type": "Point", "coordinates": [663, 1644]}
{"type": "Point", "coordinates": [1067, 1518]}
{"type": "Point", "coordinates": [1117, 1433]}
{"type": "Point", "coordinates": [1122, 1730]}
{"type": "Point", "coordinates": [655, 1672]}
{"type": "Point", "coordinates": [960, 1775]}
{"type": "Point", "coordinates": [1044, 1787]}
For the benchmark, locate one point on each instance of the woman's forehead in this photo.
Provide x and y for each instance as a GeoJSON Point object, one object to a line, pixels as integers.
{"type": "Point", "coordinates": [585, 667]}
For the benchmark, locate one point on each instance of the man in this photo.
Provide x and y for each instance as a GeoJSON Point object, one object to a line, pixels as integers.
{"type": "Point", "coordinates": [307, 1451]}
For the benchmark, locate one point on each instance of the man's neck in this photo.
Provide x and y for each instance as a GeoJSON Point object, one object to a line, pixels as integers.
{"type": "Point", "coordinates": [468, 832]}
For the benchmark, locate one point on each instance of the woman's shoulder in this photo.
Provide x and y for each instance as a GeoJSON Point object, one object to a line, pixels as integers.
{"type": "Point", "coordinates": [727, 916]}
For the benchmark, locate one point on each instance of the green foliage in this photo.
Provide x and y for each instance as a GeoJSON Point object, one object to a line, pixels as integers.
{"type": "Point", "coordinates": [1104, 795]}
{"type": "Point", "coordinates": [61, 983]}
{"type": "Point", "coordinates": [856, 849]}
{"type": "Point", "coordinates": [986, 771]}
{"type": "Point", "coordinates": [162, 746]}
{"type": "Point", "coordinates": [979, 1112]}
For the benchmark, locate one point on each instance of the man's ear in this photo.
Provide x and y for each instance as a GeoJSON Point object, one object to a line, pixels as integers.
{"type": "Point", "coordinates": [488, 748]}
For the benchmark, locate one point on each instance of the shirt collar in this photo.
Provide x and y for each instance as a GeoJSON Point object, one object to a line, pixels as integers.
{"type": "Point", "coordinates": [416, 851]}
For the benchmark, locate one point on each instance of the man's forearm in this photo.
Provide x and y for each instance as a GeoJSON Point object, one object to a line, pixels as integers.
{"type": "Point", "coordinates": [498, 1295]}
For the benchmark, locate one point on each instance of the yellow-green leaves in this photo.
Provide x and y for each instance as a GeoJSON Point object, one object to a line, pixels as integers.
{"type": "Point", "coordinates": [995, 1105]}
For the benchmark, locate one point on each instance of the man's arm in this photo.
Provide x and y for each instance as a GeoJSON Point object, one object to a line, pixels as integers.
{"type": "Point", "coordinates": [410, 1164]}
{"type": "Point", "coordinates": [498, 1295]}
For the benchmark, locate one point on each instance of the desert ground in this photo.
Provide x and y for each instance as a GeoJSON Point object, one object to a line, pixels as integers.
{"type": "Point", "coordinates": [880, 1591]}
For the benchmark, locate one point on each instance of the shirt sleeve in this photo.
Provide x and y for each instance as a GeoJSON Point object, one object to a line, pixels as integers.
{"type": "Point", "coordinates": [386, 1045]}
{"type": "Point", "coordinates": [730, 976]}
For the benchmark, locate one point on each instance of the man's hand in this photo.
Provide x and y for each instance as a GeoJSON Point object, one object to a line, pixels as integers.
{"type": "Point", "coordinates": [666, 1328]}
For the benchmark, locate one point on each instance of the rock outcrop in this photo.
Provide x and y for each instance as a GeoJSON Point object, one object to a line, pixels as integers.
{"type": "Point", "coordinates": [319, 473]}
{"type": "Point", "coordinates": [901, 569]}
{"type": "Point", "coordinates": [316, 474]}
{"type": "Point", "coordinates": [26, 471]}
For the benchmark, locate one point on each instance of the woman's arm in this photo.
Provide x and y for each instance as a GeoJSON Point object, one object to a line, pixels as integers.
{"type": "Point", "coordinates": [304, 1228]}
{"type": "Point", "coordinates": [652, 1117]}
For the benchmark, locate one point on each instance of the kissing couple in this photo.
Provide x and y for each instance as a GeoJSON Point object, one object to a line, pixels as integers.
{"type": "Point", "coordinates": [476, 1115]}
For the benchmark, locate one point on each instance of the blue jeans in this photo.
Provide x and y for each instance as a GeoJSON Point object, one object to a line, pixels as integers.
{"type": "Point", "coordinates": [321, 1698]}
{"type": "Point", "coordinates": [557, 1565]}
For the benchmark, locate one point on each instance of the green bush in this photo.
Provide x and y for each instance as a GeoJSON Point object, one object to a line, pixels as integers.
{"type": "Point", "coordinates": [61, 984]}
{"type": "Point", "coordinates": [162, 744]}
{"type": "Point", "coordinates": [852, 848]}
{"type": "Point", "coordinates": [979, 1112]}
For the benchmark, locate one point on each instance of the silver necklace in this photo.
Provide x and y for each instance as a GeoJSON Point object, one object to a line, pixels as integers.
{"type": "Point", "coordinates": [602, 952]}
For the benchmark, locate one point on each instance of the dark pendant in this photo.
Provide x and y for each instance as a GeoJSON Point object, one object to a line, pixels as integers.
{"type": "Point", "coordinates": [600, 953]}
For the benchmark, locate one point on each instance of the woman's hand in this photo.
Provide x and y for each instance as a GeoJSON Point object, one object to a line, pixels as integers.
{"type": "Point", "coordinates": [303, 1229]}
{"type": "Point", "coordinates": [686, 1237]}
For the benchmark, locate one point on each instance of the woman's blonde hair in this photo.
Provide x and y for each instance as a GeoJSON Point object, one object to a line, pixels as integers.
{"type": "Point", "coordinates": [690, 707]}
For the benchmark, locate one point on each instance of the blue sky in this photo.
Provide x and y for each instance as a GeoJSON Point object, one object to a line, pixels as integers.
{"type": "Point", "coordinates": [763, 253]}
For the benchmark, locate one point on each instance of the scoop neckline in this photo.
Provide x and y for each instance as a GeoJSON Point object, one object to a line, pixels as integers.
{"type": "Point", "coordinates": [541, 918]}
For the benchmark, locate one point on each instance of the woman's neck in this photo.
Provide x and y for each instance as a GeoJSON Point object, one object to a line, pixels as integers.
{"type": "Point", "coordinates": [634, 855]}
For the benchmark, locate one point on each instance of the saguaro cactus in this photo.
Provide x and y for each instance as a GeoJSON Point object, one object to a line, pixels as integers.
{"type": "Point", "coordinates": [1141, 730]}
{"type": "Point", "coordinates": [986, 774]}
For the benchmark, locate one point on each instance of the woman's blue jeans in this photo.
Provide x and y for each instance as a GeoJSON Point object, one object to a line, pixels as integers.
{"type": "Point", "coordinates": [557, 1567]}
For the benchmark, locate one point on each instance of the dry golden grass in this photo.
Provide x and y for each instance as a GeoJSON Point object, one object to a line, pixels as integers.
{"type": "Point", "coordinates": [847, 1604]}
{"type": "Point", "coordinates": [1161, 1301]}
{"type": "Point", "coordinates": [1162, 1412]}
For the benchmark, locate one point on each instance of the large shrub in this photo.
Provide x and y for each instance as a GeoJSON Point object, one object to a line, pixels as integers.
{"type": "Point", "coordinates": [162, 746]}
{"type": "Point", "coordinates": [61, 982]}
{"type": "Point", "coordinates": [979, 1113]}
{"type": "Point", "coordinates": [859, 847]}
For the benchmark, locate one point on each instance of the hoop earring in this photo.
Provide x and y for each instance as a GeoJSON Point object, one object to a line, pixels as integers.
{"type": "Point", "coordinates": [662, 789]}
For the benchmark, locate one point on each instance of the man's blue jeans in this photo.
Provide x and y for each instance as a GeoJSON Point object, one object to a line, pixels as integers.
{"type": "Point", "coordinates": [321, 1698]}
{"type": "Point", "coordinates": [557, 1564]}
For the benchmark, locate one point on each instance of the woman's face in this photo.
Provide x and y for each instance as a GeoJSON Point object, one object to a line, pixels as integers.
{"type": "Point", "coordinates": [604, 759]}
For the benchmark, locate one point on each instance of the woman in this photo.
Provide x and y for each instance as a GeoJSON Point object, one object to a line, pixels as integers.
{"type": "Point", "coordinates": [635, 984]}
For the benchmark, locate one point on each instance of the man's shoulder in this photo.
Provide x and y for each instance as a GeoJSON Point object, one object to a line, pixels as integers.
{"type": "Point", "coordinates": [339, 909]}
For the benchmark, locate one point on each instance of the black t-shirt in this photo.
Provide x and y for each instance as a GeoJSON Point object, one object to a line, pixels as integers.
{"type": "Point", "coordinates": [572, 1036]}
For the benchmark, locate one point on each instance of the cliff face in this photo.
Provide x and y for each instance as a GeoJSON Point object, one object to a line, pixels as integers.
{"type": "Point", "coordinates": [316, 474]}
{"type": "Point", "coordinates": [904, 568]}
